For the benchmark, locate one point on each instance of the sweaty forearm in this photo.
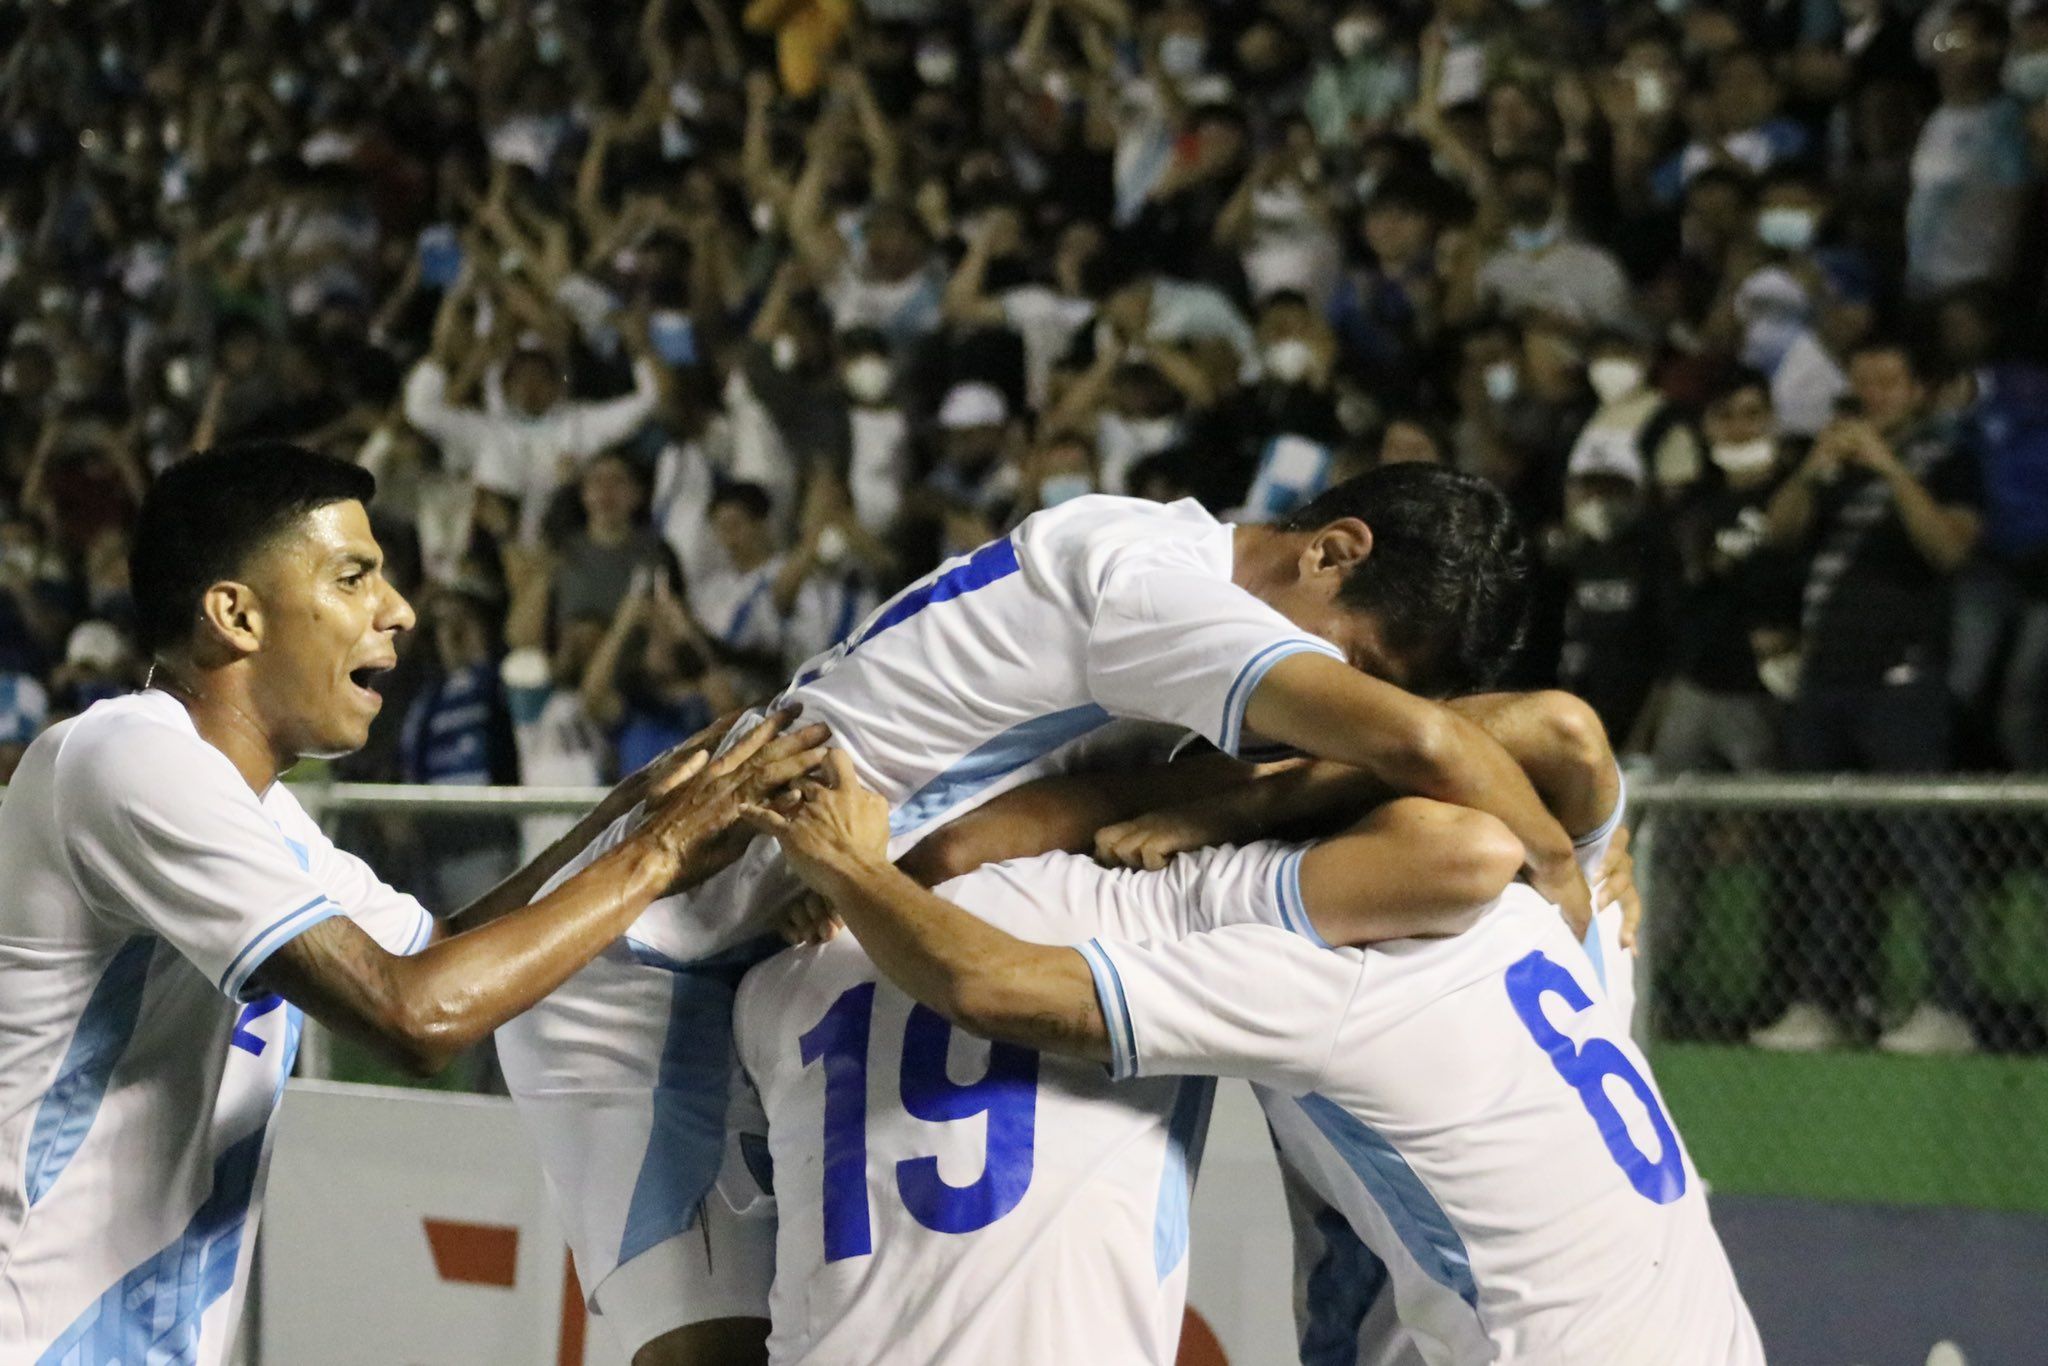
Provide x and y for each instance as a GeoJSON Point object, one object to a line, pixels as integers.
{"type": "Point", "coordinates": [1559, 742]}
{"type": "Point", "coordinates": [986, 981]}
{"type": "Point", "coordinates": [426, 1009]}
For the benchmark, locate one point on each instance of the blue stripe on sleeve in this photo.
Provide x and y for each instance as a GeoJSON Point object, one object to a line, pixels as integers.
{"type": "Point", "coordinates": [1596, 951]}
{"type": "Point", "coordinates": [1116, 1010]}
{"type": "Point", "coordinates": [1293, 909]}
{"type": "Point", "coordinates": [1248, 678]}
{"type": "Point", "coordinates": [271, 938]}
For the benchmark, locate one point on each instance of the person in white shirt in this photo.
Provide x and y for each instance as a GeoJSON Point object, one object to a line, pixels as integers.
{"type": "Point", "coordinates": [532, 437]}
{"type": "Point", "coordinates": [173, 911]}
{"type": "Point", "coordinates": [1470, 1105]}
{"type": "Point", "coordinates": [998, 667]}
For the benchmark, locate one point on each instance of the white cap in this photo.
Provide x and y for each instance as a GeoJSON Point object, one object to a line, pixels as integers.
{"type": "Point", "coordinates": [95, 645]}
{"type": "Point", "coordinates": [973, 404]}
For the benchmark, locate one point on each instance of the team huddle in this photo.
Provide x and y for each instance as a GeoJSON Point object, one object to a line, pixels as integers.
{"type": "Point", "coordinates": [1126, 801]}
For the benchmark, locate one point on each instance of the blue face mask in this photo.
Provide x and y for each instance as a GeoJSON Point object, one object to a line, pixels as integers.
{"type": "Point", "coordinates": [1059, 488]}
{"type": "Point", "coordinates": [673, 337]}
{"type": "Point", "coordinates": [440, 256]}
{"type": "Point", "coordinates": [2026, 76]}
{"type": "Point", "coordinates": [1534, 239]}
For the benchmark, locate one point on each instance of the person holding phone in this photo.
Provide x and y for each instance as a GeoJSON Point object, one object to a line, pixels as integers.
{"type": "Point", "coordinates": [1888, 507]}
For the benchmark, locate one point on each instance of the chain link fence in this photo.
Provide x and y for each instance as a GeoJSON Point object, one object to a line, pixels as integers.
{"type": "Point", "coordinates": [1845, 983]}
{"type": "Point", "coordinates": [1843, 986]}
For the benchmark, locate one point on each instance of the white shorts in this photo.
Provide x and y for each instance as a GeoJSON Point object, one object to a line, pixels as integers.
{"type": "Point", "coordinates": [721, 1269]}
{"type": "Point", "coordinates": [622, 1079]}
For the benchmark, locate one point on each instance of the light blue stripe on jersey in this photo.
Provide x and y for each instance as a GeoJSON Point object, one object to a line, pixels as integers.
{"type": "Point", "coordinates": [1597, 951]}
{"type": "Point", "coordinates": [1345, 1282]}
{"type": "Point", "coordinates": [1116, 1011]}
{"type": "Point", "coordinates": [994, 760]}
{"type": "Point", "coordinates": [153, 1313]}
{"type": "Point", "coordinates": [1417, 1219]}
{"type": "Point", "coordinates": [1294, 910]}
{"type": "Point", "coordinates": [273, 937]}
{"type": "Point", "coordinates": [425, 935]}
{"type": "Point", "coordinates": [690, 1092]}
{"type": "Point", "coordinates": [68, 1108]}
{"type": "Point", "coordinates": [1247, 682]}
{"type": "Point", "coordinates": [1187, 1128]}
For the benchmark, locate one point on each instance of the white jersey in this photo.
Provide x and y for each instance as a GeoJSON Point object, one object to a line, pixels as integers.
{"type": "Point", "coordinates": [1472, 1105]}
{"type": "Point", "coordinates": [986, 673]}
{"type": "Point", "coordinates": [138, 1073]}
{"type": "Point", "coordinates": [957, 1200]}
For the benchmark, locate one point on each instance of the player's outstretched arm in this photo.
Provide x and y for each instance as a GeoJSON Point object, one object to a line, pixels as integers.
{"type": "Point", "coordinates": [650, 783]}
{"type": "Point", "coordinates": [426, 1009]}
{"type": "Point", "coordinates": [1330, 710]}
{"type": "Point", "coordinates": [983, 980]}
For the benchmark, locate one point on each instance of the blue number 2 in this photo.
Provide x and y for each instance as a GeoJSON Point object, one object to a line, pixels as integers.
{"type": "Point", "coordinates": [1007, 1093]}
{"type": "Point", "coordinates": [1586, 1069]}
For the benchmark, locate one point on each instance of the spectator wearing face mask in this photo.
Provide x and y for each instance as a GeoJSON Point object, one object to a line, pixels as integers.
{"type": "Point", "coordinates": [1972, 165]}
{"type": "Point", "coordinates": [878, 437]}
{"type": "Point", "coordinates": [1364, 83]}
{"type": "Point", "coordinates": [1737, 599]}
{"type": "Point", "coordinates": [1778, 281]}
{"type": "Point", "coordinates": [1635, 424]}
{"type": "Point", "coordinates": [1542, 265]}
{"type": "Point", "coordinates": [1611, 552]}
{"type": "Point", "coordinates": [1046, 315]}
{"type": "Point", "coordinates": [1739, 122]}
{"type": "Point", "coordinates": [1290, 415]}
{"type": "Point", "coordinates": [1280, 222]}
{"type": "Point", "coordinates": [1889, 507]}
{"type": "Point", "coordinates": [1388, 311]}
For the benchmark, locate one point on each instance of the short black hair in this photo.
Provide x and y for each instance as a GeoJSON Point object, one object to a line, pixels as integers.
{"type": "Point", "coordinates": [208, 515]}
{"type": "Point", "coordinates": [1448, 574]}
{"type": "Point", "coordinates": [751, 499]}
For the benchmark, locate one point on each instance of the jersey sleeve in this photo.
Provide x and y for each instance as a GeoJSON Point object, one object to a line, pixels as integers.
{"type": "Point", "coordinates": [1171, 643]}
{"type": "Point", "coordinates": [184, 849]}
{"type": "Point", "coordinates": [396, 920]}
{"type": "Point", "coordinates": [1245, 1001]}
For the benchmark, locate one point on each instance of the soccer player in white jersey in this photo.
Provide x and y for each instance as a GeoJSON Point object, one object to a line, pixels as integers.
{"type": "Point", "coordinates": [987, 673]}
{"type": "Point", "coordinates": [171, 911]}
{"type": "Point", "coordinates": [1471, 1105]}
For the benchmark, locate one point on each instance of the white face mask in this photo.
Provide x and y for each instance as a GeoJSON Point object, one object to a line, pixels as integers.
{"type": "Point", "coordinates": [1354, 35]}
{"type": "Point", "coordinates": [1615, 378]}
{"type": "Point", "coordinates": [1780, 675]}
{"type": "Point", "coordinates": [867, 378]}
{"type": "Point", "coordinates": [1502, 381]}
{"type": "Point", "coordinates": [783, 352]}
{"type": "Point", "coordinates": [1289, 360]}
{"type": "Point", "coordinates": [1181, 54]}
{"type": "Point", "coordinates": [1744, 457]}
{"type": "Point", "coordinates": [1596, 519]}
{"type": "Point", "coordinates": [1787, 229]}
{"type": "Point", "coordinates": [937, 65]}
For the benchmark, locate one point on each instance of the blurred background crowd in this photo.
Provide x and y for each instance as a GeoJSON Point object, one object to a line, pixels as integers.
{"type": "Point", "coordinates": [681, 332]}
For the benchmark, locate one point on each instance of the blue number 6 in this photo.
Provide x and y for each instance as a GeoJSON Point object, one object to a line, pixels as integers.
{"type": "Point", "coordinates": [1586, 1069]}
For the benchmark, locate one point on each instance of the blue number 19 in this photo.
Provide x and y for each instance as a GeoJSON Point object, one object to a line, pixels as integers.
{"type": "Point", "coordinates": [1007, 1093]}
{"type": "Point", "coordinates": [1586, 1069]}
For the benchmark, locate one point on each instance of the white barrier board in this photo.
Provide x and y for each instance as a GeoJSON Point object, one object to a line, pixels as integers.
{"type": "Point", "coordinates": [410, 1228]}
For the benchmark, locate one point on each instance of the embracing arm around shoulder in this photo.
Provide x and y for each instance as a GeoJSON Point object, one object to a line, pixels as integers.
{"type": "Point", "coordinates": [1326, 708]}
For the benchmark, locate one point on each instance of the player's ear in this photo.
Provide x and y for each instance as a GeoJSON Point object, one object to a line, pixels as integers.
{"type": "Point", "coordinates": [1336, 549]}
{"type": "Point", "coordinates": [231, 618]}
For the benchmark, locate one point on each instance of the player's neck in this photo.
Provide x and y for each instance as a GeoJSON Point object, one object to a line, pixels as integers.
{"type": "Point", "coordinates": [1262, 559]}
{"type": "Point", "coordinates": [226, 722]}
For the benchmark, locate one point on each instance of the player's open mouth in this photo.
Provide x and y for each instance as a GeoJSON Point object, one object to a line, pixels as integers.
{"type": "Point", "coordinates": [365, 679]}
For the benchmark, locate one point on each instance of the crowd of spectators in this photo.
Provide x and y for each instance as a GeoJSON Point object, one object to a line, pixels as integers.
{"type": "Point", "coordinates": [680, 332]}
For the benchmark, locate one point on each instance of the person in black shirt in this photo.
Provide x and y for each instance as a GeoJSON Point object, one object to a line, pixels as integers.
{"type": "Point", "coordinates": [1736, 597]}
{"type": "Point", "coordinates": [1888, 506]}
{"type": "Point", "coordinates": [1612, 554]}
